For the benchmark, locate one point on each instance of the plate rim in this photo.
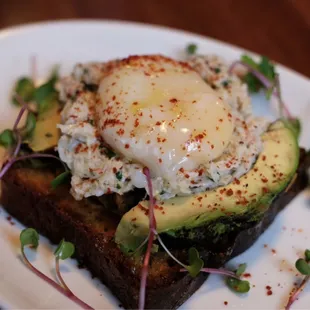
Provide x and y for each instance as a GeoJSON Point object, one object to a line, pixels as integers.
{"type": "Point", "coordinates": [29, 26]}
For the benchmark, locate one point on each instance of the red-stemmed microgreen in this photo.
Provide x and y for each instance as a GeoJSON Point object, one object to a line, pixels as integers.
{"type": "Point", "coordinates": [24, 88]}
{"type": "Point", "coordinates": [195, 262]}
{"type": "Point", "coordinates": [263, 75]}
{"type": "Point", "coordinates": [30, 237]}
{"type": "Point", "coordinates": [64, 250]}
{"type": "Point", "coordinates": [233, 278]}
{"type": "Point", "coordinates": [151, 237]}
{"type": "Point", "coordinates": [302, 265]}
{"type": "Point", "coordinates": [10, 138]}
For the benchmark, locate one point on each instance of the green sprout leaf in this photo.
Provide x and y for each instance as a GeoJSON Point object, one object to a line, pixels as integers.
{"type": "Point", "coordinates": [64, 250]}
{"type": "Point", "coordinates": [307, 256]}
{"type": "Point", "coordinates": [24, 87]}
{"type": "Point", "coordinates": [46, 94]}
{"type": "Point", "coordinates": [119, 175]}
{"type": "Point", "coordinates": [241, 269]}
{"type": "Point", "coordinates": [294, 125]}
{"type": "Point", "coordinates": [195, 262]}
{"type": "Point", "coordinates": [7, 138]}
{"type": "Point", "coordinates": [238, 286]}
{"type": "Point", "coordinates": [249, 61]}
{"type": "Point", "coordinates": [29, 236]}
{"type": "Point", "coordinates": [303, 267]}
{"type": "Point", "coordinates": [62, 178]}
{"type": "Point", "coordinates": [265, 66]}
{"type": "Point", "coordinates": [191, 49]}
{"type": "Point", "coordinates": [30, 125]}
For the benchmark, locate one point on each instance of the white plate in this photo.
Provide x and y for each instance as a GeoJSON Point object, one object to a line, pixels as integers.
{"type": "Point", "coordinates": [66, 43]}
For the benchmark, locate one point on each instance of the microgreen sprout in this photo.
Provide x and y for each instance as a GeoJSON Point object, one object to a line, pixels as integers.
{"type": "Point", "coordinates": [237, 285]}
{"type": "Point", "coordinates": [195, 262]}
{"type": "Point", "coordinates": [302, 265]}
{"type": "Point", "coordinates": [191, 49]}
{"type": "Point", "coordinates": [241, 269]}
{"type": "Point", "coordinates": [24, 87]}
{"type": "Point", "coordinates": [64, 250]}
{"type": "Point", "coordinates": [263, 75]}
{"type": "Point", "coordinates": [30, 237]}
{"type": "Point", "coordinates": [61, 179]}
{"type": "Point", "coordinates": [9, 138]}
{"type": "Point", "coordinates": [196, 266]}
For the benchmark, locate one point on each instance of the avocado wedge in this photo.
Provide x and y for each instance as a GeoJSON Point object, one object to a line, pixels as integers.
{"type": "Point", "coordinates": [46, 133]}
{"type": "Point", "coordinates": [251, 195]}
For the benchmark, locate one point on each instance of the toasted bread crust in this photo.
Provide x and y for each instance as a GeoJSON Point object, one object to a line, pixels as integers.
{"type": "Point", "coordinates": [26, 195]}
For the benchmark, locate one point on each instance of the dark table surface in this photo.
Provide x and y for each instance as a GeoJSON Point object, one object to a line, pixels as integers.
{"type": "Point", "coordinates": [279, 29]}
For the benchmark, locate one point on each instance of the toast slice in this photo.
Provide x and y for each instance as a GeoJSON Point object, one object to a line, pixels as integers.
{"type": "Point", "coordinates": [27, 195]}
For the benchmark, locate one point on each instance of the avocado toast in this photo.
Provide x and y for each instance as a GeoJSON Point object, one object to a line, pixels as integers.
{"type": "Point", "coordinates": [232, 199]}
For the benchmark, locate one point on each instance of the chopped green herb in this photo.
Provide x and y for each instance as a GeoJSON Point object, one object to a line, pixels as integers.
{"type": "Point", "coordinates": [307, 256]}
{"type": "Point", "coordinates": [119, 175]}
{"type": "Point", "coordinates": [241, 269]}
{"type": "Point", "coordinates": [195, 262]}
{"type": "Point", "coordinates": [61, 179]}
{"type": "Point", "coordinates": [7, 138]}
{"type": "Point", "coordinates": [110, 154]}
{"type": "Point", "coordinates": [29, 236]}
{"type": "Point", "coordinates": [191, 49]}
{"type": "Point", "coordinates": [48, 135]}
{"type": "Point", "coordinates": [303, 267]}
{"type": "Point", "coordinates": [118, 186]}
{"type": "Point", "coordinates": [217, 70]}
{"type": "Point", "coordinates": [239, 286]}
{"type": "Point", "coordinates": [24, 87]}
{"type": "Point", "coordinates": [64, 250]}
{"type": "Point", "coordinates": [226, 83]}
{"type": "Point", "coordinates": [91, 121]}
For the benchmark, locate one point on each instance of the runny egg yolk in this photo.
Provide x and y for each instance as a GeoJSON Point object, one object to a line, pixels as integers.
{"type": "Point", "coordinates": [160, 113]}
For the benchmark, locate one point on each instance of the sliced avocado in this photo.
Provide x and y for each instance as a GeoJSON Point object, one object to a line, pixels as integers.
{"type": "Point", "coordinates": [46, 133]}
{"type": "Point", "coordinates": [252, 193]}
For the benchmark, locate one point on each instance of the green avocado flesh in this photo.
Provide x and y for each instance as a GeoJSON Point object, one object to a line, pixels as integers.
{"type": "Point", "coordinates": [250, 195]}
{"type": "Point", "coordinates": [46, 134]}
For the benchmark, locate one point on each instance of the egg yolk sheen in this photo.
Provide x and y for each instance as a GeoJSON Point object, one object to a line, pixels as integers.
{"type": "Point", "coordinates": [160, 113]}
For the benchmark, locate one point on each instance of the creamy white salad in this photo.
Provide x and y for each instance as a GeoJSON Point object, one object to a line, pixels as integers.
{"type": "Point", "coordinates": [190, 123]}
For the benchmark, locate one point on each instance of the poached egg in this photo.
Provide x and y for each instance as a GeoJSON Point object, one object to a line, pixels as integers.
{"type": "Point", "coordinates": [160, 113]}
